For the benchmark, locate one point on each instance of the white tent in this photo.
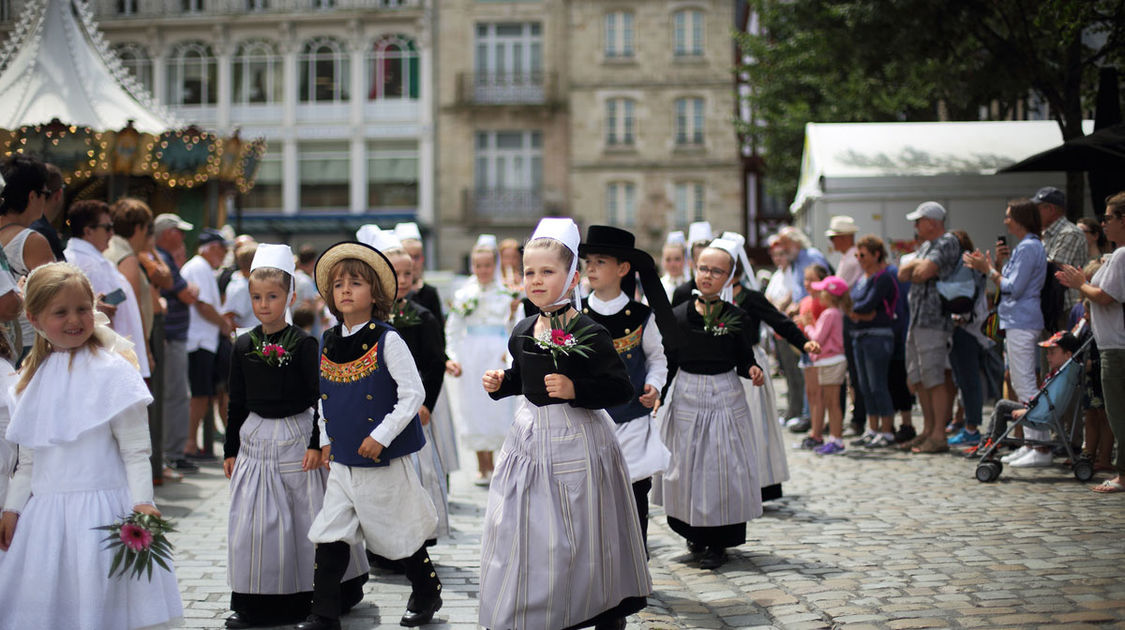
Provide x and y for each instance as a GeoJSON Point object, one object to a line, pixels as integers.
{"type": "Point", "coordinates": [57, 65]}
{"type": "Point", "coordinates": [878, 172]}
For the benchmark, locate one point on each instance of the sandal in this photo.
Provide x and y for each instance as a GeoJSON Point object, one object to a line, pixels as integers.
{"type": "Point", "coordinates": [1108, 486]}
{"type": "Point", "coordinates": [913, 443]}
{"type": "Point", "coordinates": [931, 446]}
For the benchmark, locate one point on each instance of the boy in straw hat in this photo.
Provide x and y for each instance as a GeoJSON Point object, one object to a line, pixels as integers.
{"type": "Point", "coordinates": [272, 428]}
{"type": "Point", "coordinates": [639, 334]}
{"type": "Point", "coordinates": [370, 393]}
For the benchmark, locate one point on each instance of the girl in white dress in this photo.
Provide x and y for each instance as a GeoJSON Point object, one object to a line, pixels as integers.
{"type": "Point", "coordinates": [80, 415]}
{"type": "Point", "coordinates": [476, 334]}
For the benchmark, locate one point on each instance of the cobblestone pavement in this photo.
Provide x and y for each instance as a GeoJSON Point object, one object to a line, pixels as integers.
{"type": "Point", "coordinates": [862, 540]}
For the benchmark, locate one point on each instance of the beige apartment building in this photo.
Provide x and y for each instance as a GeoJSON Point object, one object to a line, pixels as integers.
{"type": "Point", "coordinates": [609, 111]}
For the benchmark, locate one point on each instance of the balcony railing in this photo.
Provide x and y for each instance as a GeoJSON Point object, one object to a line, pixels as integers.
{"type": "Point", "coordinates": [502, 206]}
{"type": "Point", "coordinates": [110, 9]}
{"type": "Point", "coordinates": [513, 88]}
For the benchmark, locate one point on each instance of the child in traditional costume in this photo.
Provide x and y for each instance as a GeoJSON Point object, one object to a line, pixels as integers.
{"type": "Point", "coordinates": [81, 423]}
{"type": "Point", "coordinates": [674, 262]}
{"type": "Point", "coordinates": [370, 394]}
{"type": "Point", "coordinates": [272, 456]}
{"type": "Point", "coordinates": [612, 262]}
{"type": "Point", "coordinates": [699, 236]}
{"type": "Point", "coordinates": [712, 488]}
{"type": "Point", "coordinates": [773, 468]}
{"type": "Point", "coordinates": [423, 334]}
{"type": "Point", "coordinates": [562, 546]}
{"type": "Point", "coordinates": [476, 340]}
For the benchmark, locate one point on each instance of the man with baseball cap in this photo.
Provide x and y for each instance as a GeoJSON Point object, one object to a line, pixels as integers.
{"type": "Point", "coordinates": [169, 231]}
{"type": "Point", "coordinates": [841, 233]}
{"type": "Point", "coordinates": [931, 331]}
{"type": "Point", "coordinates": [1064, 242]}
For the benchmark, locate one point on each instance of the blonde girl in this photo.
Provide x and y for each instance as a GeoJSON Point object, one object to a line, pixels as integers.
{"type": "Point", "coordinates": [81, 424]}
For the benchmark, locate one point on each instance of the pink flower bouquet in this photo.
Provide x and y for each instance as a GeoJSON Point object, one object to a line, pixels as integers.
{"type": "Point", "coordinates": [139, 540]}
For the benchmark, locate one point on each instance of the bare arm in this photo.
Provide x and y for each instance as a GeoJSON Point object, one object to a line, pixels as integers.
{"type": "Point", "coordinates": [131, 269]}
{"type": "Point", "coordinates": [923, 270]}
{"type": "Point", "coordinates": [37, 251]}
{"type": "Point", "coordinates": [10, 306]}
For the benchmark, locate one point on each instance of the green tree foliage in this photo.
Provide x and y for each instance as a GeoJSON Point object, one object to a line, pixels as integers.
{"type": "Point", "coordinates": [918, 60]}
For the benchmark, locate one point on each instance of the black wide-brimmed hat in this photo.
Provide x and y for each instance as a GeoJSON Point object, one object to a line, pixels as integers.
{"type": "Point", "coordinates": [374, 258]}
{"type": "Point", "coordinates": [621, 244]}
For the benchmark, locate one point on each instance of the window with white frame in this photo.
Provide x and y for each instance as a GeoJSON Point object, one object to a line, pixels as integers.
{"type": "Point", "coordinates": [126, 7]}
{"type": "Point", "coordinates": [266, 195]}
{"type": "Point", "coordinates": [325, 172]}
{"type": "Point", "coordinates": [689, 202]}
{"type": "Point", "coordinates": [192, 75]}
{"type": "Point", "coordinates": [324, 71]}
{"type": "Point", "coordinates": [621, 203]}
{"type": "Point", "coordinates": [509, 160]}
{"type": "Point", "coordinates": [393, 69]}
{"type": "Point", "coordinates": [689, 120]}
{"type": "Point", "coordinates": [191, 6]}
{"type": "Point", "coordinates": [688, 33]}
{"type": "Point", "coordinates": [257, 73]}
{"type": "Point", "coordinates": [134, 59]}
{"type": "Point", "coordinates": [509, 53]}
{"type": "Point", "coordinates": [620, 121]}
{"type": "Point", "coordinates": [619, 34]}
{"type": "Point", "coordinates": [392, 175]}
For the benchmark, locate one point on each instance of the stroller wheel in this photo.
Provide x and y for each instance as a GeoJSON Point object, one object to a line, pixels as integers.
{"type": "Point", "coordinates": [989, 471]}
{"type": "Point", "coordinates": [1083, 469]}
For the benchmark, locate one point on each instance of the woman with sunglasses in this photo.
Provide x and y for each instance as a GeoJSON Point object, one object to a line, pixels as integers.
{"type": "Point", "coordinates": [25, 200]}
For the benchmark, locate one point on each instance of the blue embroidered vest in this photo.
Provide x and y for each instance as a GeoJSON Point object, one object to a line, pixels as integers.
{"type": "Point", "coordinates": [627, 327]}
{"type": "Point", "coordinates": [357, 392]}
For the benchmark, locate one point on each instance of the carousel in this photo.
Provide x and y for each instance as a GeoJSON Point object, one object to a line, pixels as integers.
{"type": "Point", "coordinates": [66, 98]}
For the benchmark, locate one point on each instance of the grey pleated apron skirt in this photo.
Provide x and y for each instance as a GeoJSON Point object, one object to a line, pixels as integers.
{"type": "Point", "coordinates": [273, 503]}
{"type": "Point", "coordinates": [773, 468]}
{"type": "Point", "coordinates": [428, 466]}
{"type": "Point", "coordinates": [444, 435]}
{"type": "Point", "coordinates": [562, 542]}
{"type": "Point", "coordinates": [712, 478]}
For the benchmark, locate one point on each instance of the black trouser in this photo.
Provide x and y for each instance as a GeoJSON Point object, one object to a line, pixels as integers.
{"type": "Point", "coordinates": [859, 410]}
{"type": "Point", "coordinates": [640, 493]}
{"type": "Point", "coordinates": [332, 562]}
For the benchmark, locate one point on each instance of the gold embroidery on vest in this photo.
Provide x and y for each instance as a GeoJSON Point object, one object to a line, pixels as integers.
{"type": "Point", "coordinates": [628, 342]}
{"type": "Point", "coordinates": [351, 371]}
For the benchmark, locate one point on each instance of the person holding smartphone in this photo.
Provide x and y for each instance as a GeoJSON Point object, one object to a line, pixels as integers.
{"type": "Point", "coordinates": [91, 227]}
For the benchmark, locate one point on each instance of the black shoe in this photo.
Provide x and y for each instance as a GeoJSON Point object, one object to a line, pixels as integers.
{"type": "Point", "coordinates": [183, 466]}
{"type": "Point", "coordinates": [713, 558]}
{"type": "Point", "coordinates": [695, 548]}
{"type": "Point", "coordinates": [316, 622]}
{"type": "Point", "coordinates": [800, 427]}
{"type": "Point", "coordinates": [238, 620]}
{"type": "Point", "coordinates": [905, 433]}
{"type": "Point", "coordinates": [420, 611]}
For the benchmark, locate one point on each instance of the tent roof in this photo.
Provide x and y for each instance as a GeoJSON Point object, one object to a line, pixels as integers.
{"type": "Point", "coordinates": [57, 65]}
{"type": "Point", "coordinates": [861, 150]}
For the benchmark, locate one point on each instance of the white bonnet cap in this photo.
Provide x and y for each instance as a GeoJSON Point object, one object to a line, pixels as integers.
{"type": "Point", "coordinates": [408, 231]}
{"type": "Point", "coordinates": [699, 231]}
{"type": "Point", "coordinates": [275, 256]}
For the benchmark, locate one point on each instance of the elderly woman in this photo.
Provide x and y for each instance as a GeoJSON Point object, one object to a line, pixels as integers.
{"type": "Point", "coordinates": [1021, 318]}
{"type": "Point", "coordinates": [90, 228]}
{"type": "Point", "coordinates": [1106, 291]}
{"type": "Point", "coordinates": [874, 299]}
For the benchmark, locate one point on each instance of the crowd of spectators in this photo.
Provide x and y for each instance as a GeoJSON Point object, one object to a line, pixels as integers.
{"type": "Point", "coordinates": [954, 328]}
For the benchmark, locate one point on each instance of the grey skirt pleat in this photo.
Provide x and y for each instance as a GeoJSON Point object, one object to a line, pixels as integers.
{"type": "Point", "coordinates": [562, 542]}
{"type": "Point", "coordinates": [444, 435]}
{"type": "Point", "coordinates": [273, 503]}
{"type": "Point", "coordinates": [712, 478]}
{"type": "Point", "coordinates": [430, 473]}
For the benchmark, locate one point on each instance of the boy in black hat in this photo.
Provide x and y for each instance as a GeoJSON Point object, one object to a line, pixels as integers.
{"type": "Point", "coordinates": [611, 262]}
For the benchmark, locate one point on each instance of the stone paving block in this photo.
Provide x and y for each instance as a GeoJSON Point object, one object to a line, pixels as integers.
{"type": "Point", "coordinates": [918, 622]}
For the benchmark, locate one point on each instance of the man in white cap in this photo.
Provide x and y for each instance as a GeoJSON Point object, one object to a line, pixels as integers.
{"type": "Point", "coordinates": [931, 331]}
{"type": "Point", "coordinates": [841, 233]}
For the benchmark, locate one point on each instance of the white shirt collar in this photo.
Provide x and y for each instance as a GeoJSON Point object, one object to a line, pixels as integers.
{"type": "Point", "coordinates": [348, 332]}
{"type": "Point", "coordinates": [607, 308]}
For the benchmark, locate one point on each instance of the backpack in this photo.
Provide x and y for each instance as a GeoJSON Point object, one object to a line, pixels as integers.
{"type": "Point", "coordinates": [1052, 299]}
{"type": "Point", "coordinates": [958, 292]}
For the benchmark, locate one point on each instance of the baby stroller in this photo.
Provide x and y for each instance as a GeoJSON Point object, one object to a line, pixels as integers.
{"type": "Point", "coordinates": [1045, 411]}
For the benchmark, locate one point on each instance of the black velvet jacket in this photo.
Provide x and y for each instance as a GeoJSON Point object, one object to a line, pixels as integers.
{"type": "Point", "coordinates": [600, 380]}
